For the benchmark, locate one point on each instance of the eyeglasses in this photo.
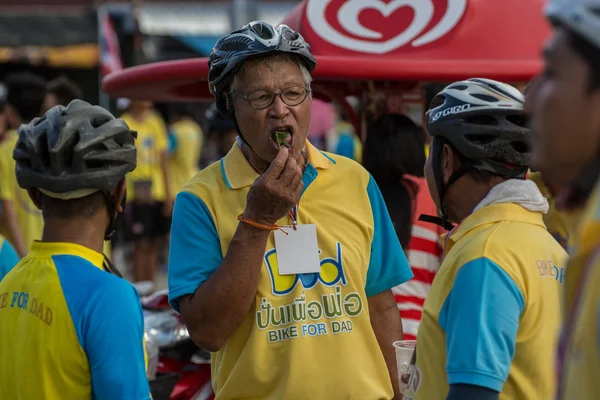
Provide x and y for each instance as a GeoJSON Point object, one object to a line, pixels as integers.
{"type": "Point", "coordinates": [261, 99]}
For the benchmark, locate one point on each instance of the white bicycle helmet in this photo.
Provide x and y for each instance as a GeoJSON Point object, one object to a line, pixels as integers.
{"type": "Point", "coordinates": [581, 16]}
{"type": "Point", "coordinates": [484, 121]}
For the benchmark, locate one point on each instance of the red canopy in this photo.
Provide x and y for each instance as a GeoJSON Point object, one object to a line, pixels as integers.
{"type": "Point", "coordinates": [380, 40]}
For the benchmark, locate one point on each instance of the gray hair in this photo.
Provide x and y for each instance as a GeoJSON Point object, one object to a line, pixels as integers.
{"type": "Point", "coordinates": [269, 61]}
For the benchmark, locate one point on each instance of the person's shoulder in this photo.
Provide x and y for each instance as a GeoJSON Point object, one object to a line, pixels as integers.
{"type": "Point", "coordinates": [209, 180]}
{"type": "Point", "coordinates": [345, 166]}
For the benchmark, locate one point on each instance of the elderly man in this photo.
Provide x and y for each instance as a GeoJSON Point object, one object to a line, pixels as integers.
{"type": "Point", "coordinates": [282, 257]}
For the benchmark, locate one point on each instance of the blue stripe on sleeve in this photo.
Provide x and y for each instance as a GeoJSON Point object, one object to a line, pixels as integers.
{"type": "Point", "coordinates": [481, 317]}
{"type": "Point", "coordinates": [195, 251]}
{"type": "Point", "coordinates": [8, 258]}
{"type": "Point", "coordinates": [172, 142]}
{"type": "Point", "coordinates": [109, 323]}
{"type": "Point", "coordinates": [388, 266]}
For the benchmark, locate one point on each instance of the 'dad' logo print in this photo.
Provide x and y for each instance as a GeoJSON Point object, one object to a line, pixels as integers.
{"type": "Point", "coordinates": [359, 37]}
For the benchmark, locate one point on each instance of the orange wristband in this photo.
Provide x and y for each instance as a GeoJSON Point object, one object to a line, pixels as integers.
{"type": "Point", "coordinates": [260, 226]}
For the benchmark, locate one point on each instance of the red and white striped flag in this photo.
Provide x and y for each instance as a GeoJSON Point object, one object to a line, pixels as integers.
{"type": "Point", "coordinates": [110, 52]}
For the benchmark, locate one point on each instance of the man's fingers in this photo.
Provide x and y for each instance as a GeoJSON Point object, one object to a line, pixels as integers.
{"type": "Point", "coordinates": [289, 172]}
{"type": "Point", "coordinates": [278, 163]}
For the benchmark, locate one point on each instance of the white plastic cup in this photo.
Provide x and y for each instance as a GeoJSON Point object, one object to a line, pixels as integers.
{"type": "Point", "coordinates": [404, 354]}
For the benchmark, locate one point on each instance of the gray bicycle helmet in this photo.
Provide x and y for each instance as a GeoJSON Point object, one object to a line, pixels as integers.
{"type": "Point", "coordinates": [75, 151]}
{"type": "Point", "coordinates": [484, 121]}
{"type": "Point", "coordinates": [74, 148]}
{"type": "Point", "coordinates": [256, 39]}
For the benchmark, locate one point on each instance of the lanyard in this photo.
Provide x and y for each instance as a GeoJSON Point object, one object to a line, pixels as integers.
{"type": "Point", "coordinates": [293, 213]}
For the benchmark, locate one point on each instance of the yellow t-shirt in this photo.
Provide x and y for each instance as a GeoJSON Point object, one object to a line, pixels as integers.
{"type": "Point", "coordinates": [151, 143]}
{"type": "Point", "coordinates": [186, 139]}
{"type": "Point", "coordinates": [579, 352]}
{"type": "Point", "coordinates": [562, 224]}
{"type": "Point", "coordinates": [492, 317]}
{"type": "Point", "coordinates": [306, 336]}
{"type": "Point", "coordinates": [70, 330]}
{"type": "Point", "coordinates": [28, 215]}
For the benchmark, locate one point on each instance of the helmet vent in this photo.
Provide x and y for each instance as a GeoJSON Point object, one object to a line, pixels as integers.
{"type": "Point", "coordinates": [480, 139]}
{"type": "Point", "coordinates": [99, 121]}
{"type": "Point", "coordinates": [43, 153]}
{"type": "Point", "coordinates": [437, 101]}
{"type": "Point", "coordinates": [519, 120]}
{"type": "Point", "coordinates": [460, 87]}
{"type": "Point", "coordinates": [485, 97]}
{"type": "Point", "coordinates": [480, 120]}
{"type": "Point", "coordinates": [520, 146]}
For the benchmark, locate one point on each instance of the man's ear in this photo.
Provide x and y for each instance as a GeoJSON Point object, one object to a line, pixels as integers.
{"type": "Point", "coordinates": [36, 197]}
{"type": "Point", "coordinates": [449, 162]}
{"type": "Point", "coordinates": [118, 195]}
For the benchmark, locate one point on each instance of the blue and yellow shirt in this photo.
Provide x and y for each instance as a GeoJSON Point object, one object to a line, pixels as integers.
{"type": "Point", "coordinates": [70, 329]}
{"type": "Point", "coordinates": [579, 352]}
{"type": "Point", "coordinates": [8, 257]}
{"type": "Point", "coordinates": [185, 147]}
{"type": "Point", "coordinates": [493, 313]}
{"type": "Point", "coordinates": [307, 336]}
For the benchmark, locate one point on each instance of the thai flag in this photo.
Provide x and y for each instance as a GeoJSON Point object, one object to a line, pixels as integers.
{"type": "Point", "coordinates": [110, 52]}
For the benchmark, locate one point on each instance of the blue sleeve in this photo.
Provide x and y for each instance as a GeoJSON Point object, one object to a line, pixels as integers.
{"type": "Point", "coordinates": [388, 266]}
{"type": "Point", "coordinates": [195, 250]}
{"type": "Point", "coordinates": [8, 258]}
{"type": "Point", "coordinates": [109, 323]}
{"type": "Point", "coordinates": [470, 392]}
{"type": "Point", "coordinates": [481, 317]}
{"type": "Point", "coordinates": [172, 142]}
{"type": "Point", "coordinates": [345, 146]}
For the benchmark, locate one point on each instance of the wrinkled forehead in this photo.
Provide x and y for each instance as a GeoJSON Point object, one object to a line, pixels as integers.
{"type": "Point", "coordinates": [280, 70]}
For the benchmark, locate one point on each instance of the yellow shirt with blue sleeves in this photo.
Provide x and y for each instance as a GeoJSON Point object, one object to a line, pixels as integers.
{"type": "Point", "coordinates": [70, 330]}
{"type": "Point", "coordinates": [29, 216]}
{"type": "Point", "coordinates": [493, 313]}
{"type": "Point", "coordinates": [8, 257]}
{"type": "Point", "coordinates": [152, 141]}
{"type": "Point", "coordinates": [579, 352]}
{"type": "Point", "coordinates": [185, 146]}
{"type": "Point", "coordinates": [307, 336]}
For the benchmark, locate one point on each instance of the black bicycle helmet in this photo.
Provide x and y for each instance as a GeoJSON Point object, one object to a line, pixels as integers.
{"type": "Point", "coordinates": [79, 149]}
{"type": "Point", "coordinates": [484, 121]}
{"type": "Point", "coordinates": [257, 39]}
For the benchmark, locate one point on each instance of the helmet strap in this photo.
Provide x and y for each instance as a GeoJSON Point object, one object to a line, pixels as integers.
{"type": "Point", "coordinates": [115, 217]}
{"type": "Point", "coordinates": [465, 166]}
{"type": "Point", "coordinates": [233, 119]}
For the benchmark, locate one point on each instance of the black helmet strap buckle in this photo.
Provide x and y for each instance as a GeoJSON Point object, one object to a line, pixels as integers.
{"type": "Point", "coordinates": [115, 216]}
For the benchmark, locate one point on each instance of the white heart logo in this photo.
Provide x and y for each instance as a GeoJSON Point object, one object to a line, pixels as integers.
{"type": "Point", "coordinates": [349, 12]}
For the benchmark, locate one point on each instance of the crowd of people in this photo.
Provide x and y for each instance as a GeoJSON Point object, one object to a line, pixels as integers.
{"type": "Point", "coordinates": [297, 268]}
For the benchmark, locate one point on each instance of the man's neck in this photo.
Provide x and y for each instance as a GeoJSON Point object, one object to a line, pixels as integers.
{"type": "Point", "coordinates": [465, 196]}
{"type": "Point", "coordinates": [85, 233]}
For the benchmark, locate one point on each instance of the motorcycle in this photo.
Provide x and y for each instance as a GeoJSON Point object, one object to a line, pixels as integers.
{"type": "Point", "coordinates": [177, 368]}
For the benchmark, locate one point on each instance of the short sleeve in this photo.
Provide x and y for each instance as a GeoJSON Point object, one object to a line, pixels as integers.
{"type": "Point", "coordinates": [8, 258]}
{"type": "Point", "coordinates": [7, 173]}
{"type": "Point", "coordinates": [114, 344]}
{"type": "Point", "coordinates": [388, 266]}
{"type": "Point", "coordinates": [481, 317]}
{"type": "Point", "coordinates": [195, 250]}
{"type": "Point", "coordinates": [107, 316]}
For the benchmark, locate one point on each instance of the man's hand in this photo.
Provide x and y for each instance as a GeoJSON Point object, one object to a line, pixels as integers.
{"type": "Point", "coordinates": [276, 191]}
